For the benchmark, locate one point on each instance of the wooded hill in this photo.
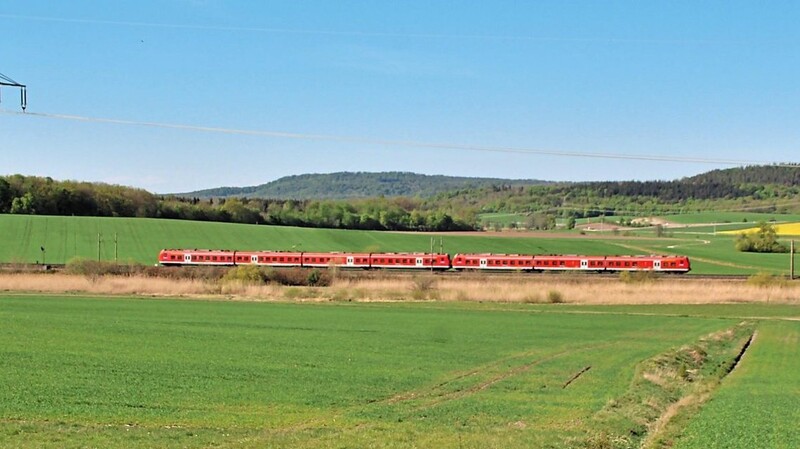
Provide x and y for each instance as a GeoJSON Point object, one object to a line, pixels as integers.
{"type": "Point", "coordinates": [345, 185]}
{"type": "Point", "coordinates": [756, 189]}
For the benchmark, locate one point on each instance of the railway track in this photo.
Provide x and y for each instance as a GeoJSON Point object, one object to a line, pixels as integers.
{"type": "Point", "coordinates": [411, 273]}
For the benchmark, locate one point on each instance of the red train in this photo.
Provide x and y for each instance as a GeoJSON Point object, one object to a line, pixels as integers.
{"type": "Point", "coordinates": [426, 261]}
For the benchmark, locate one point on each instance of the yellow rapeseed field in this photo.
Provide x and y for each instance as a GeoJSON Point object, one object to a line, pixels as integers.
{"type": "Point", "coordinates": [786, 229]}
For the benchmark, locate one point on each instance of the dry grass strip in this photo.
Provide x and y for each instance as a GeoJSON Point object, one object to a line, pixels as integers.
{"type": "Point", "coordinates": [531, 289]}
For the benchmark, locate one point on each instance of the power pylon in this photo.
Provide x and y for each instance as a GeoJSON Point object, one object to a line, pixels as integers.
{"type": "Point", "coordinates": [23, 92]}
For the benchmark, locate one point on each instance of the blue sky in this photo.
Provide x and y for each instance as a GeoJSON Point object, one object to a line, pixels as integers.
{"type": "Point", "coordinates": [709, 80]}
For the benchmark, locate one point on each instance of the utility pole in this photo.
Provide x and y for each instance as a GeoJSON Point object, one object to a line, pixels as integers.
{"type": "Point", "coordinates": [115, 248]}
{"type": "Point", "coordinates": [433, 239]}
{"type": "Point", "coordinates": [99, 240]}
{"type": "Point", "coordinates": [791, 260]}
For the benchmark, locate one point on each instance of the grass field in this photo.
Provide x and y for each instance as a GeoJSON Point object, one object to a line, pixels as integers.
{"type": "Point", "coordinates": [95, 372]}
{"type": "Point", "coordinates": [139, 240]}
{"type": "Point", "coordinates": [502, 219]}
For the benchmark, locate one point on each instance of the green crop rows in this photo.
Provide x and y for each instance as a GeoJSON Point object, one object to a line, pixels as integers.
{"type": "Point", "coordinates": [95, 372]}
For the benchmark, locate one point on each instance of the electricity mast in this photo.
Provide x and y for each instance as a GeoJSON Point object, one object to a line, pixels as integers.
{"type": "Point", "coordinates": [23, 92]}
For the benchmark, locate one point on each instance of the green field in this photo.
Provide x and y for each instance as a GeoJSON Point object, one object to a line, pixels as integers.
{"type": "Point", "coordinates": [139, 240]}
{"type": "Point", "coordinates": [95, 372]}
{"type": "Point", "coordinates": [502, 219]}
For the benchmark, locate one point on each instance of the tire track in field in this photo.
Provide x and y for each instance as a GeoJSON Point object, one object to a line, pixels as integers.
{"type": "Point", "coordinates": [24, 239]}
{"type": "Point", "coordinates": [407, 402]}
{"type": "Point", "coordinates": [485, 378]}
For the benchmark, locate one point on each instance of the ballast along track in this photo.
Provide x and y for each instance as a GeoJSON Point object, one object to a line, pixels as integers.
{"type": "Point", "coordinates": [409, 273]}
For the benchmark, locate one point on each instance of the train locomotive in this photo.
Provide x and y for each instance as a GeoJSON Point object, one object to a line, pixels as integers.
{"type": "Point", "coordinates": [426, 261]}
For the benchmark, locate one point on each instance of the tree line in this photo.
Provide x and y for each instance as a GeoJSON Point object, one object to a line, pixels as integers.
{"type": "Point", "coordinates": [458, 209]}
{"type": "Point", "coordinates": [45, 196]}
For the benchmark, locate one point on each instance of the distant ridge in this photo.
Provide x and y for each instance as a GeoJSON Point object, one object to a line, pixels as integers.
{"type": "Point", "coordinates": [344, 185]}
{"type": "Point", "coordinates": [786, 174]}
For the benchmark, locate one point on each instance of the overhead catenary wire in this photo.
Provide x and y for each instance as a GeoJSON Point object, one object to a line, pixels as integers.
{"type": "Point", "coordinates": [362, 33]}
{"type": "Point", "coordinates": [400, 143]}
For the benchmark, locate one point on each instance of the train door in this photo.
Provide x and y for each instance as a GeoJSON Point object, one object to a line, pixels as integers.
{"type": "Point", "coordinates": [419, 261]}
{"type": "Point", "coordinates": [350, 261]}
{"type": "Point", "coordinates": [584, 264]}
{"type": "Point", "coordinates": [187, 258]}
{"type": "Point", "coordinates": [483, 263]}
{"type": "Point", "coordinates": [656, 264]}
{"type": "Point", "coordinates": [254, 259]}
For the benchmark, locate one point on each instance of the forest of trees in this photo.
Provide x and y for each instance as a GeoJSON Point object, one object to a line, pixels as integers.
{"type": "Point", "coordinates": [758, 189]}
{"type": "Point", "coordinates": [347, 185]}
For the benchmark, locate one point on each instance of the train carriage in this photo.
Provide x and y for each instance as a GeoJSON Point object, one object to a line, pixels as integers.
{"type": "Point", "coordinates": [569, 263]}
{"type": "Point", "coordinates": [631, 263]}
{"type": "Point", "coordinates": [488, 261]}
{"type": "Point", "coordinates": [346, 260]}
{"type": "Point", "coordinates": [410, 260]}
{"type": "Point", "coordinates": [196, 257]}
{"type": "Point", "coordinates": [560, 263]}
{"type": "Point", "coordinates": [672, 264]}
{"type": "Point", "coordinates": [269, 258]}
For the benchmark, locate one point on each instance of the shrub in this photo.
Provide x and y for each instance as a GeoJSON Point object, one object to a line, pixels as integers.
{"type": "Point", "coordinates": [555, 297]}
{"type": "Point", "coordinates": [767, 280]}
{"type": "Point", "coordinates": [317, 278]}
{"type": "Point", "coordinates": [95, 268]}
{"type": "Point", "coordinates": [765, 240]}
{"type": "Point", "coordinates": [532, 298]}
{"type": "Point", "coordinates": [246, 274]}
{"type": "Point", "coordinates": [424, 287]}
{"type": "Point", "coordinates": [637, 277]}
{"type": "Point", "coordinates": [298, 277]}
